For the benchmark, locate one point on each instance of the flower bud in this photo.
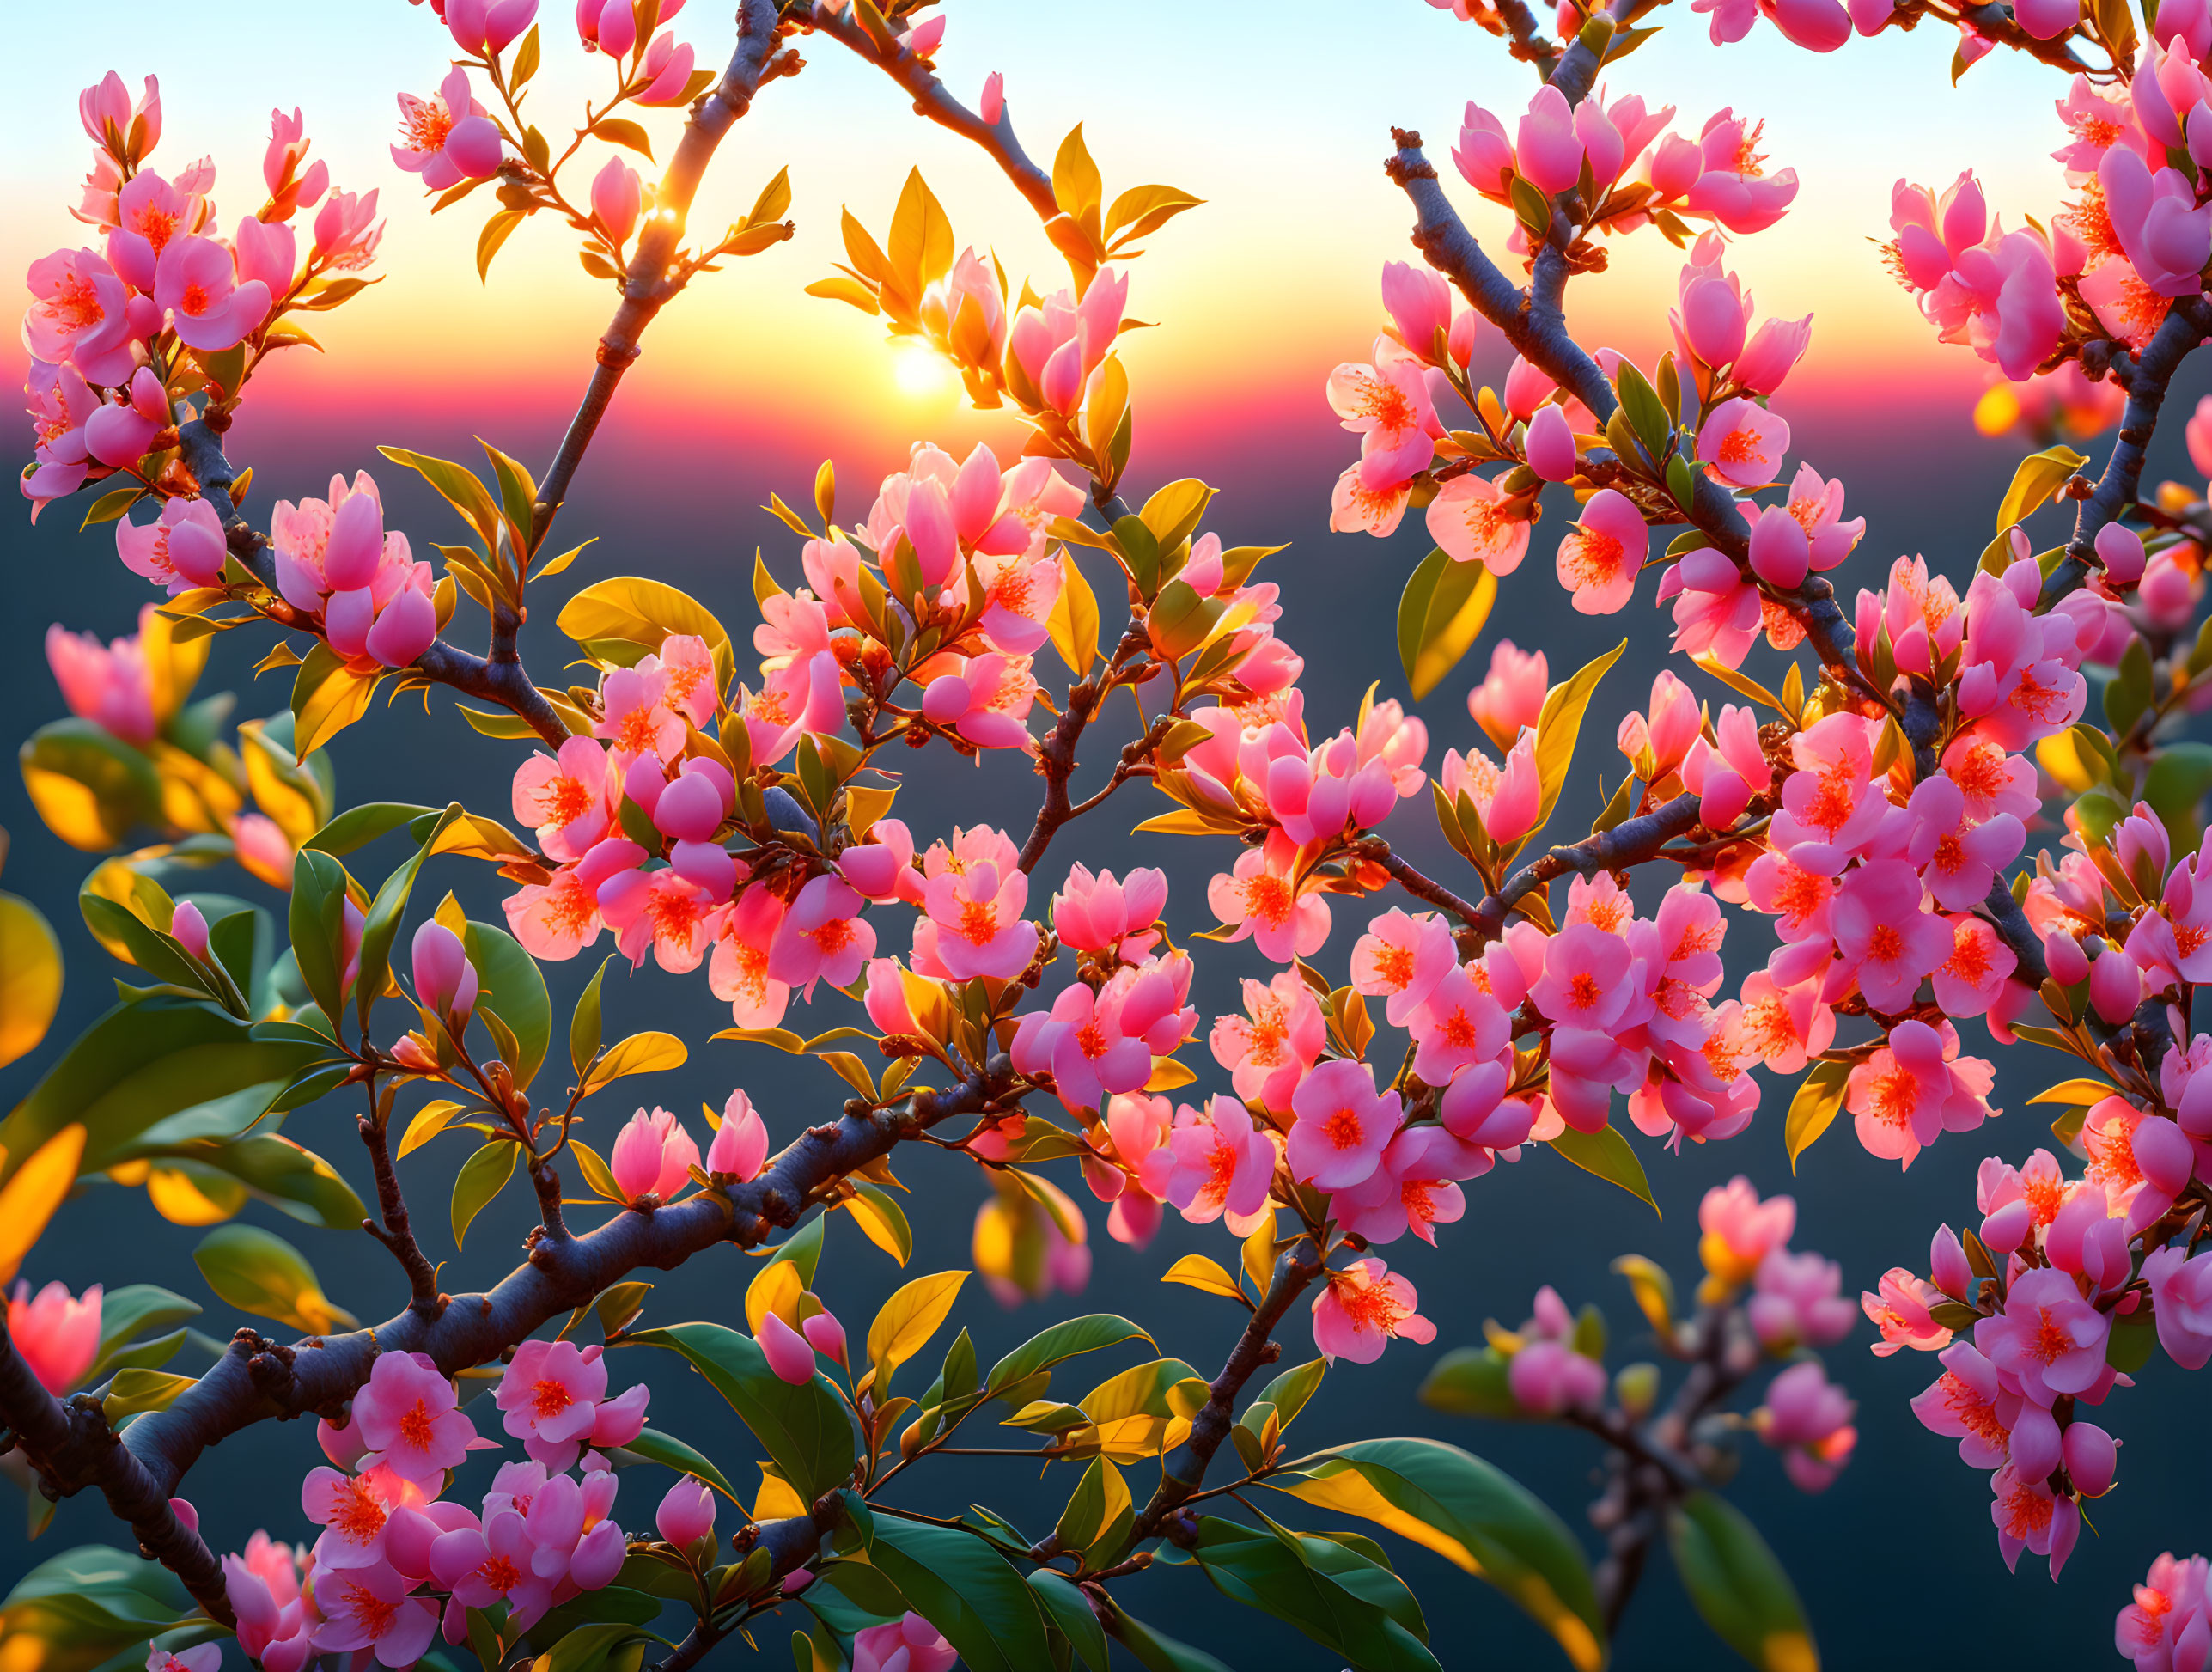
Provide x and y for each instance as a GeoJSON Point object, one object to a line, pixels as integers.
{"type": "Point", "coordinates": [2090, 1453]}
{"type": "Point", "coordinates": [789, 1352]}
{"type": "Point", "coordinates": [190, 929]}
{"type": "Point", "coordinates": [445, 980]}
{"type": "Point", "coordinates": [687, 1513]}
{"type": "Point", "coordinates": [740, 1144]}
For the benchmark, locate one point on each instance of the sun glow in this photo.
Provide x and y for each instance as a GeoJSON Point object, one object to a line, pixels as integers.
{"type": "Point", "coordinates": [921, 372]}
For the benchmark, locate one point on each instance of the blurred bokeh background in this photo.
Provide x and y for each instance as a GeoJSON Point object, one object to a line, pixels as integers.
{"type": "Point", "coordinates": [1279, 117]}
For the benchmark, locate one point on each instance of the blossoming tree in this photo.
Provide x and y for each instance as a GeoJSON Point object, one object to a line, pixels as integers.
{"type": "Point", "coordinates": [1872, 797]}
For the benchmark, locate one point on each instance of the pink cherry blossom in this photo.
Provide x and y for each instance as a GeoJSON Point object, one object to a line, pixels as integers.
{"type": "Point", "coordinates": [1600, 556]}
{"type": "Point", "coordinates": [58, 1337]}
{"type": "Point", "coordinates": [1362, 1308]}
{"type": "Point", "coordinates": [447, 137]}
{"type": "Point", "coordinates": [1343, 1125]}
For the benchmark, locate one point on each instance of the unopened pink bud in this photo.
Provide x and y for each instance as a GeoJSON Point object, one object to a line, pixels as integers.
{"type": "Point", "coordinates": [687, 1513]}
{"type": "Point", "coordinates": [190, 929]}
{"type": "Point", "coordinates": [740, 1143]}
{"type": "Point", "coordinates": [2063, 957]}
{"type": "Point", "coordinates": [1550, 445]}
{"type": "Point", "coordinates": [790, 1354]}
{"type": "Point", "coordinates": [824, 1334]}
{"type": "Point", "coordinates": [993, 98]}
{"type": "Point", "coordinates": [1948, 1266]}
{"type": "Point", "coordinates": [2091, 1454]}
{"type": "Point", "coordinates": [445, 980]}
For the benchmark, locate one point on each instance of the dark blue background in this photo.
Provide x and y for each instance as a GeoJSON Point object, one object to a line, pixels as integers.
{"type": "Point", "coordinates": [1897, 1562]}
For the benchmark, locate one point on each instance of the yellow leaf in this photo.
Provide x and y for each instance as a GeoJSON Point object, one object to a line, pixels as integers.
{"type": "Point", "coordinates": [1167, 1074]}
{"type": "Point", "coordinates": [641, 1053]}
{"type": "Point", "coordinates": [1200, 1273]}
{"type": "Point", "coordinates": [197, 1196]}
{"type": "Point", "coordinates": [775, 1289]}
{"type": "Point", "coordinates": [1074, 622]}
{"type": "Point", "coordinates": [429, 1121]}
{"type": "Point", "coordinates": [909, 1319]}
{"type": "Point", "coordinates": [776, 1501]}
{"type": "Point", "coordinates": [30, 978]}
{"type": "Point", "coordinates": [28, 1199]}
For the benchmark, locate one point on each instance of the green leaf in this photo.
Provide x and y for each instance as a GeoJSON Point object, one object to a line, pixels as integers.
{"type": "Point", "coordinates": [315, 923]}
{"type": "Point", "coordinates": [1739, 1586]}
{"type": "Point", "coordinates": [1099, 1512]}
{"type": "Point", "coordinates": [584, 1023]}
{"type": "Point", "coordinates": [357, 826]}
{"type": "Point", "coordinates": [1343, 1601]}
{"type": "Point", "coordinates": [1561, 724]}
{"type": "Point", "coordinates": [2129, 692]}
{"type": "Point", "coordinates": [480, 1179]}
{"type": "Point", "coordinates": [296, 1180]}
{"type": "Point", "coordinates": [1061, 1342]}
{"type": "Point", "coordinates": [964, 1588]}
{"type": "Point", "coordinates": [1442, 609]}
{"type": "Point", "coordinates": [805, 1429]}
{"type": "Point", "coordinates": [152, 1071]}
{"type": "Point", "coordinates": [1155, 1652]}
{"type": "Point", "coordinates": [513, 988]}
{"type": "Point", "coordinates": [671, 1453]}
{"type": "Point", "coordinates": [1472, 1515]}
{"type": "Point", "coordinates": [1818, 1098]}
{"type": "Point", "coordinates": [1473, 1381]}
{"type": "Point", "coordinates": [259, 1272]}
{"type": "Point", "coordinates": [2180, 776]}
{"type": "Point", "coordinates": [382, 925]}
{"type": "Point", "coordinates": [1288, 1392]}
{"type": "Point", "coordinates": [1070, 1613]}
{"type": "Point", "coordinates": [130, 1311]}
{"type": "Point", "coordinates": [1608, 1155]}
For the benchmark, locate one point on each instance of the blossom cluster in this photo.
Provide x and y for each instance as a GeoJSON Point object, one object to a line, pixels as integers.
{"type": "Point", "coordinates": [396, 1562]}
{"type": "Point", "coordinates": [119, 334]}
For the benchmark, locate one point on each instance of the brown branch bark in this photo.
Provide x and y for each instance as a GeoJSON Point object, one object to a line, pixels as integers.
{"type": "Point", "coordinates": [646, 286]}
{"type": "Point", "coordinates": [1184, 1473]}
{"type": "Point", "coordinates": [71, 1447]}
{"type": "Point", "coordinates": [933, 101]}
{"type": "Point", "coordinates": [1632, 842]}
{"type": "Point", "coordinates": [256, 1380]}
{"type": "Point", "coordinates": [2186, 325]}
{"type": "Point", "coordinates": [397, 1233]}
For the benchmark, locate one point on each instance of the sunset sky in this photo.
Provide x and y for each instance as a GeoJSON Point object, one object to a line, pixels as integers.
{"type": "Point", "coordinates": [1281, 125]}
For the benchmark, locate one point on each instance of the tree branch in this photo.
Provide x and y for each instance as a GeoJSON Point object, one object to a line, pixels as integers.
{"type": "Point", "coordinates": [1055, 755]}
{"type": "Point", "coordinates": [1540, 333]}
{"type": "Point", "coordinates": [396, 1233]}
{"type": "Point", "coordinates": [257, 1379]}
{"type": "Point", "coordinates": [2186, 325]}
{"type": "Point", "coordinates": [1184, 1473]}
{"type": "Point", "coordinates": [933, 101]}
{"type": "Point", "coordinates": [646, 287]}
{"type": "Point", "coordinates": [1631, 842]}
{"type": "Point", "coordinates": [71, 1447]}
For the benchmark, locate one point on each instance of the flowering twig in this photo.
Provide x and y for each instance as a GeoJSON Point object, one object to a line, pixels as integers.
{"type": "Point", "coordinates": [1540, 335]}
{"type": "Point", "coordinates": [1184, 1473]}
{"type": "Point", "coordinates": [257, 1379]}
{"type": "Point", "coordinates": [931, 100]}
{"type": "Point", "coordinates": [645, 288]}
{"type": "Point", "coordinates": [2187, 323]}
